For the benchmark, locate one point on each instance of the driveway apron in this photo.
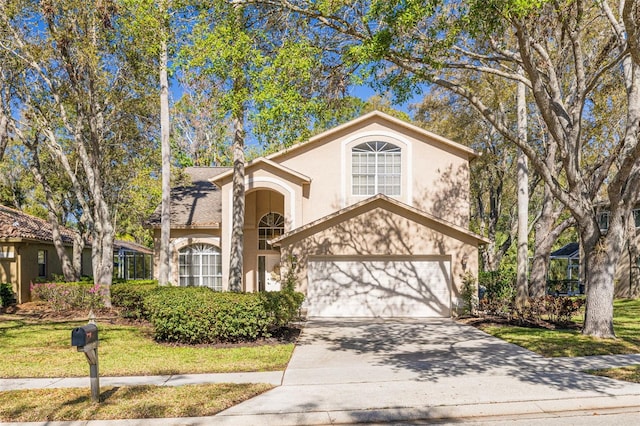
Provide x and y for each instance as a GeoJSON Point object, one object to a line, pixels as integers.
{"type": "Point", "coordinates": [350, 369]}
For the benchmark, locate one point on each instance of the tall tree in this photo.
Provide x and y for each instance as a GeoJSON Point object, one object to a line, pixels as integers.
{"type": "Point", "coordinates": [522, 285]}
{"type": "Point", "coordinates": [165, 211]}
{"type": "Point", "coordinates": [567, 50]}
{"type": "Point", "coordinates": [76, 89]}
{"type": "Point", "coordinates": [275, 86]}
{"type": "Point", "coordinates": [493, 188]}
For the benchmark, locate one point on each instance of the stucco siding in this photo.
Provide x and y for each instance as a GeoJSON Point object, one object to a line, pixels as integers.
{"type": "Point", "coordinates": [381, 232]}
{"type": "Point", "coordinates": [434, 177]}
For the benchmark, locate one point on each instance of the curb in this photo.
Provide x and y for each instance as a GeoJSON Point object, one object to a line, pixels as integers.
{"type": "Point", "coordinates": [532, 409]}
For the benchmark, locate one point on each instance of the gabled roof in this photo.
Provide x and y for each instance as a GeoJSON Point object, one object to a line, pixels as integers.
{"type": "Point", "coordinates": [377, 201]}
{"type": "Point", "coordinates": [263, 162]}
{"type": "Point", "coordinates": [197, 204]}
{"type": "Point", "coordinates": [380, 116]}
{"type": "Point", "coordinates": [16, 225]}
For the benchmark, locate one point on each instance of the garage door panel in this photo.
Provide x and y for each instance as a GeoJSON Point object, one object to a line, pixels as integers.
{"type": "Point", "coordinates": [379, 288]}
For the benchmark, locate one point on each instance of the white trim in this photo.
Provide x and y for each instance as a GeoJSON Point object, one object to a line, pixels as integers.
{"type": "Point", "coordinates": [282, 184]}
{"type": "Point", "coordinates": [369, 135]}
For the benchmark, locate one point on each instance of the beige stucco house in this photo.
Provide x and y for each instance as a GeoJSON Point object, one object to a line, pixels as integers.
{"type": "Point", "coordinates": [373, 215]}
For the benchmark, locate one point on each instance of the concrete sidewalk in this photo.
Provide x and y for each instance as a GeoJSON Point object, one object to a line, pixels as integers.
{"type": "Point", "coordinates": [360, 371]}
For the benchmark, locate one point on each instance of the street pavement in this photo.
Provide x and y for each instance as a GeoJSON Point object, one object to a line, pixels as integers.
{"type": "Point", "coordinates": [417, 371]}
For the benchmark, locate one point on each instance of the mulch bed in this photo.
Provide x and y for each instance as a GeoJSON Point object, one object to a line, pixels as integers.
{"type": "Point", "coordinates": [491, 320]}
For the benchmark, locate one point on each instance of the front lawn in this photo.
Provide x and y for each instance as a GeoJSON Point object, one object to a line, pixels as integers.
{"type": "Point", "coordinates": [628, 374]}
{"type": "Point", "coordinates": [30, 348]}
{"type": "Point", "coordinates": [559, 342]}
{"type": "Point", "coordinates": [129, 402]}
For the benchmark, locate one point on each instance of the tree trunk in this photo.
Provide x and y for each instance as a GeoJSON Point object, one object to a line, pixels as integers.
{"type": "Point", "coordinates": [102, 254]}
{"type": "Point", "coordinates": [601, 255]}
{"type": "Point", "coordinates": [547, 233]}
{"type": "Point", "coordinates": [5, 113]}
{"type": "Point", "coordinates": [522, 290]}
{"type": "Point", "coordinates": [69, 273]}
{"type": "Point", "coordinates": [236, 264]}
{"type": "Point", "coordinates": [78, 248]}
{"type": "Point", "coordinates": [165, 215]}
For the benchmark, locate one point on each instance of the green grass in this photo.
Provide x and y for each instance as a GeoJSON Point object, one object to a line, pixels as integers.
{"type": "Point", "coordinates": [628, 374]}
{"type": "Point", "coordinates": [43, 349]}
{"type": "Point", "coordinates": [134, 402]}
{"type": "Point", "coordinates": [556, 343]}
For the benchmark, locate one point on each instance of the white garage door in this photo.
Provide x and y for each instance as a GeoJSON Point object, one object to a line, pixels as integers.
{"type": "Point", "coordinates": [378, 288]}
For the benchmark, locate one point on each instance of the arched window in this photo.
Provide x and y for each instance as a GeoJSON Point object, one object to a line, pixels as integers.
{"type": "Point", "coordinates": [375, 169]}
{"type": "Point", "coordinates": [271, 226]}
{"type": "Point", "coordinates": [201, 266]}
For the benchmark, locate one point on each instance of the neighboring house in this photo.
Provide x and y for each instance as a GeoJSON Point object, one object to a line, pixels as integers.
{"type": "Point", "coordinates": [373, 215]}
{"type": "Point", "coordinates": [627, 277]}
{"type": "Point", "coordinates": [27, 253]}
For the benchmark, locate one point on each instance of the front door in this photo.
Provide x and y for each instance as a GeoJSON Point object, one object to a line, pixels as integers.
{"type": "Point", "coordinates": [269, 272]}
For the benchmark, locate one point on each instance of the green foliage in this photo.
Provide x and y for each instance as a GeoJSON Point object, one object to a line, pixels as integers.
{"type": "Point", "coordinates": [499, 284]}
{"type": "Point", "coordinates": [7, 296]}
{"type": "Point", "coordinates": [64, 296]}
{"type": "Point", "coordinates": [130, 297]}
{"type": "Point", "coordinates": [284, 305]}
{"type": "Point", "coordinates": [197, 315]}
{"type": "Point", "coordinates": [469, 294]}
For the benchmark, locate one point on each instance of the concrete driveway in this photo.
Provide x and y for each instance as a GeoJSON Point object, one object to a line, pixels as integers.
{"type": "Point", "coordinates": [374, 370]}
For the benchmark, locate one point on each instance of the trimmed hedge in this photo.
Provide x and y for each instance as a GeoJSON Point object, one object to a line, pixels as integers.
{"type": "Point", "coordinates": [197, 315]}
{"type": "Point", "coordinates": [193, 315]}
{"type": "Point", "coordinates": [130, 296]}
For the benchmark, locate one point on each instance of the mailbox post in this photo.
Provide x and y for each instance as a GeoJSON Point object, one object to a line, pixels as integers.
{"type": "Point", "coordinates": [85, 338]}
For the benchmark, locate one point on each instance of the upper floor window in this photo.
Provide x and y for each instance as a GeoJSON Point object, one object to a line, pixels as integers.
{"type": "Point", "coordinates": [375, 169]}
{"type": "Point", "coordinates": [201, 266]}
{"type": "Point", "coordinates": [271, 226]}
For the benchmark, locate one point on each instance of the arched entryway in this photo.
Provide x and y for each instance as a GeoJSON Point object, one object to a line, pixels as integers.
{"type": "Point", "coordinates": [265, 219]}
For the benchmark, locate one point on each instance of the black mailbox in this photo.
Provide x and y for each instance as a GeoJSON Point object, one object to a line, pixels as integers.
{"type": "Point", "coordinates": [85, 335]}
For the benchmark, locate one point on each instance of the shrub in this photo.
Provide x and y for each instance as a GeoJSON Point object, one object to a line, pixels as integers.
{"type": "Point", "coordinates": [499, 292]}
{"type": "Point", "coordinates": [561, 309]}
{"type": "Point", "coordinates": [200, 315]}
{"type": "Point", "coordinates": [63, 296]}
{"type": "Point", "coordinates": [469, 294]}
{"type": "Point", "coordinates": [283, 306]}
{"type": "Point", "coordinates": [7, 296]}
{"type": "Point", "coordinates": [130, 296]}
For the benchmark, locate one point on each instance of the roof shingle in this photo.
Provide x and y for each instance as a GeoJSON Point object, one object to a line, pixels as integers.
{"type": "Point", "coordinates": [197, 204]}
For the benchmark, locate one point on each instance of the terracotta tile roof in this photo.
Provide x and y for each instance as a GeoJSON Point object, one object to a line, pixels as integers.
{"type": "Point", "coordinates": [16, 224]}
{"type": "Point", "coordinates": [195, 205]}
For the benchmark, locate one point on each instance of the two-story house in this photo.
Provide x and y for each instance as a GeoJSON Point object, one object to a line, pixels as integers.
{"type": "Point", "coordinates": [373, 215]}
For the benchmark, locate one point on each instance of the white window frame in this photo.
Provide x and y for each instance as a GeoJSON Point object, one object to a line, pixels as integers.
{"type": "Point", "coordinates": [376, 168]}
{"type": "Point", "coordinates": [271, 225]}
{"type": "Point", "coordinates": [200, 265]}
